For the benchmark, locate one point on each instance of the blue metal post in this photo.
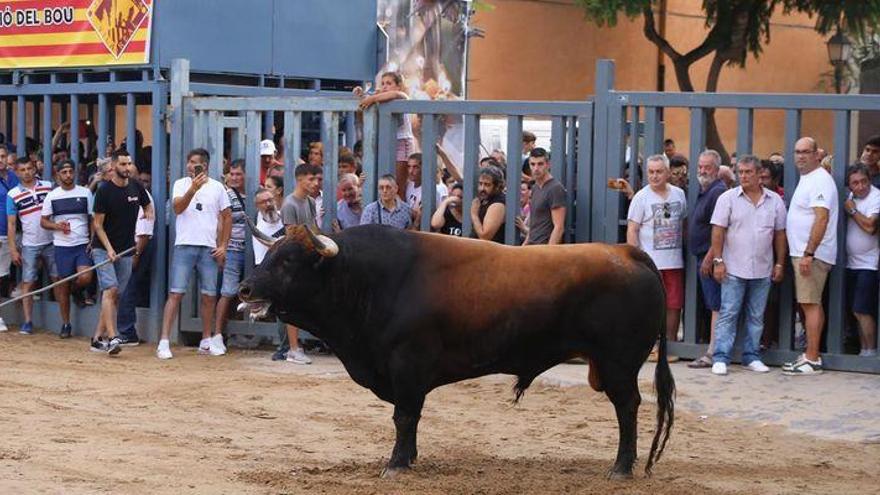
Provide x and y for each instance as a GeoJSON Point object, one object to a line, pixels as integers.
{"type": "Point", "coordinates": [790, 176]}
{"type": "Point", "coordinates": [601, 134]}
{"type": "Point", "coordinates": [514, 170]}
{"type": "Point", "coordinates": [584, 186]}
{"type": "Point", "coordinates": [131, 126]}
{"type": "Point", "coordinates": [469, 168]}
{"type": "Point", "coordinates": [836, 282]}
{"type": "Point", "coordinates": [74, 132]}
{"type": "Point", "coordinates": [103, 126]}
{"type": "Point", "coordinates": [159, 189]}
{"type": "Point", "coordinates": [47, 131]}
{"type": "Point", "coordinates": [20, 131]}
{"type": "Point", "coordinates": [697, 145]}
{"type": "Point", "coordinates": [429, 170]}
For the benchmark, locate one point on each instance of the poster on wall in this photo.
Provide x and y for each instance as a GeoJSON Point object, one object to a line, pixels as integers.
{"type": "Point", "coordinates": [74, 33]}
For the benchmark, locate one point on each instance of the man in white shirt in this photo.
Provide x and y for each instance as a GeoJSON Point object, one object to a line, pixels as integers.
{"type": "Point", "coordinates": [67, 212]}
{"type": "Point", "coordinates": [414, 188]}
{"type": "Point", "coordinates": [655, 223]}
{"type": "Point", "coordinates": [24, 202]}
{"type": "Point", "coordinates": [201, 205]}
{"type": "Point", "coordinates": [811, 229]}
{"type": "Point", "coordinates": [862, 254]}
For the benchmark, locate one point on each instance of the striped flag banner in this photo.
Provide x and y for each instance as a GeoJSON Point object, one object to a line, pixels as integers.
{"type": "Point", "coordinates": [74, 33]}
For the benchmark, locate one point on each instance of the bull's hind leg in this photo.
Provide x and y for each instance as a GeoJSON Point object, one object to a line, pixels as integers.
{"type": "Point", "coordinates": [623, 391]}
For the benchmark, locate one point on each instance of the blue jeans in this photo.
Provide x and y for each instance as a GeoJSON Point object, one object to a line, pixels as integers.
{"type": "Point", "coordinates": [233, 270]}
{"type": "Point", "coordinates": [187, 258]}
{"type": "Point", "coordinates": [114, 274]}
{"type": "Point", "coordinates": [734, 292]}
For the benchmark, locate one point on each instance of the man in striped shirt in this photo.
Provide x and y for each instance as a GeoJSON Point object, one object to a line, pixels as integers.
{"type": "Point", "coordinates": [24, 202]}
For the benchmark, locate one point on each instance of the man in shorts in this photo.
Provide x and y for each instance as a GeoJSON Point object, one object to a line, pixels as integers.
{"type": "Point", "coordinates": [67, 212]}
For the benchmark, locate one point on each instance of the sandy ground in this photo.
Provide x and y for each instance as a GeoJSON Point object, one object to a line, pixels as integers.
{"type": "Point", "coordinates": [73, 422]}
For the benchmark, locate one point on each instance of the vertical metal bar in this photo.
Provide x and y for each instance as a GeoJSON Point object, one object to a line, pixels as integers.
{"type": "Point", "coordinates": [199, 125]}
{"type": "Point", "coordinates": [557, 147]}
{"type": "Point", "coordinates": [583, 196]}
{"type": "Point", "coordinates": [634, 147]}
{"type": "Point", "coordinates": [20, 131]}
{"type": "Point", "coordinates": [7, 126]}
{"type": "Point", "coordinates": [74, 133]}
{"type": "Point", "coordinates": [745, 121]}
{"type": "Point", "coordinates": [268, 124]}
{"type": "Point", "coordinates": [179, 89]}
{"type": "Point", "coordinates": [514, 170]}
{"type": "Point", "coordinates": [468, 169]}
{"type": "Point", "coordinates": [215, 146]}
{"type": "Point", "coordinates": [252, 166]}
{"type": "Point", "coordinates": [614, 168]}
{"type": "Point", "coordinates": [63, 113]}
{"type": "Point", "coordinates": [369, 164]}
{"type": "Point", "coordinates": [387, 142]}
{"type": "Point", "coordinates": [35, 121]}
{"type": "Point", "coordinates": [90, 118]}
{"type": "Point", "coordinates": [653, 133]}
{"type": "Point", "coordinates": [160, 196]}
{"type": "Point", "coordinates": [697, 145]}
{"type": "Point", "coordinates": [131, 126]}
{"type": "Point", "coordinates": [429, 170]}
{"type": "Point", "coordinates": [292, 146]}
{"type": "Point", "coordinates": [790, 176]}
{"type": "Point", "coordinates": [103, 125]}
{"type": "Point", "coordinates": [602, 109]}
{"type": "Point", "coordinates": [330, 135]}
{"type": "Point", "coordinates": [350, 130]}
{"type": "Point", "coordinates": [569, 182]}
{"type": "Point", "coordinates": [47, 131]}
{"type": "Point", "coordinates": [836, 282]}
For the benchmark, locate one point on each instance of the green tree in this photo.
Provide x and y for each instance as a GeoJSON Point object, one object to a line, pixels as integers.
{"type": "Point", "coordinates": [735, 29]}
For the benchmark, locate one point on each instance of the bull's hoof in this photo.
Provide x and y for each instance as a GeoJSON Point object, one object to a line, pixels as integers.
{"type": "Point", "coordinates": [392, 472]}
{"type": "Point", "coordinates": [615, 475]}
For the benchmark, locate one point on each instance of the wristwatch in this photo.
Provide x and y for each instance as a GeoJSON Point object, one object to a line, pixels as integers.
{"type": "Point", "coordinates": [851, 211]}
{"type": "Point", "coordinates": [810, 254]}
{"type": "Point", "coordinates": [717, 261]}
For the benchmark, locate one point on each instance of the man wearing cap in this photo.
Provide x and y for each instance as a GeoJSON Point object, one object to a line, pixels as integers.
{"type": "Point", "coordinates": [66, 213]}
{"type": "Point", "coordinates": [267, 159]}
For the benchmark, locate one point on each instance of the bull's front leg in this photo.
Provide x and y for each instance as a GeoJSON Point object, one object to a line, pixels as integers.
{"type": "Point", "coordinates": [406, 422]}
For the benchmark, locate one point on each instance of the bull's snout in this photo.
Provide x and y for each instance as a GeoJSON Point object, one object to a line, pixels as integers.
{"type": "Point", "coordinates": [244, 290]}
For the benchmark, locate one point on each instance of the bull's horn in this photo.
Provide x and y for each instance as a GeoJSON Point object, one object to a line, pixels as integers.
{"type": "Point", "coordinates": [257, 233]}
{"type": "Point", "coordinates": [323, 244]}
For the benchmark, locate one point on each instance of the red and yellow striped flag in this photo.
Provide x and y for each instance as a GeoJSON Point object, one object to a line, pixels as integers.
{"type": "Point", "coordinates": [74, 33]}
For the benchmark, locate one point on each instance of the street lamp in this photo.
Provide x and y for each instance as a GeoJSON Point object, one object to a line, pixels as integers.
{"type": "Point", "coordinates": [839, 50]}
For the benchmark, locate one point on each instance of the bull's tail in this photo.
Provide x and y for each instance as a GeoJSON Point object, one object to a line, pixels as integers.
{"type": "Point", "coordinates": [664, 388]}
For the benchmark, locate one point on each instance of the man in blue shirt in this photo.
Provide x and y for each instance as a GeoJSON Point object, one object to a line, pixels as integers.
{"type": "Point", "coordinates": [389, 209]}
{"type": "Point", "coordinates": [8, 180]}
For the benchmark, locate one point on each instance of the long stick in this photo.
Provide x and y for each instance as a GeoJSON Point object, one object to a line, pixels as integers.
{"type": "Point", "coordinates": [65, 279]}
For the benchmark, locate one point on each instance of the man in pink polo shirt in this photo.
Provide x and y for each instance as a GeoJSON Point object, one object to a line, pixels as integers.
{"type": "Point", "coordinates": [748, 231]}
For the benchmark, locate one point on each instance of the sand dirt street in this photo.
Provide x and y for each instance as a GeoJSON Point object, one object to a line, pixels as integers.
{"type": "Point", "coordinates": [75, 422]}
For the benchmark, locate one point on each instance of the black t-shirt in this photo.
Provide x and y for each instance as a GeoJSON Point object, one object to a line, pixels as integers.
{"type": "Point", "coordinates": [481, 214]}
{"type": "Point", "coordinates": [120, 208]}
{"type": "Point", "coordinates": [451, 225]}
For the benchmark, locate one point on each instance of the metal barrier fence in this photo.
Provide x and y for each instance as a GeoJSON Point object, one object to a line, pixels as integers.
{"type": "Point", "coordinates": [614, 107]}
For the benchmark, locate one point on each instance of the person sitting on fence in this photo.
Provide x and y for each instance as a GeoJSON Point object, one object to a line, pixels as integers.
{"type": "Point", "coordinates": [870, 158]}
{"type": "Point", "coordinates": [388, 209]}
{"type": "Point", "coordinates": [862, 254]}
{"type": "Point", "coordinates": [350, 207]}
{"type": "Point", "coordinates": [117, 205]}
{"type": "Point", "coordinates": [414, 188]}
{"type": "Point", "coordinates": [771, 177]}
{"type": "Point", "coordinates": [233, 269]}
{"type": "Point", "coordinates": [67, 213]}
{"type": "Point", "coordinates": [202, 229]}
{"type": "Point", "coordinates": [678, 171]}
{"type": "Point", "coordinates": [811, 228]}
{"type": "Point", "coordinates": [548, 203]}
{"type": "Point", "coordinates": [24, 203]}
{"type": "Point", "coordinates": [748, 229]}
{"type": "Point", "coordinates": [487, 209]}
{"type": "Point", "coordinates": [449, 214]}
{"type": "Point", "coordinates": [699, 233]}
{"type": "Point", "coordinates": [655, 223]}
{"type": "Point", "coordinates": [392, 88]}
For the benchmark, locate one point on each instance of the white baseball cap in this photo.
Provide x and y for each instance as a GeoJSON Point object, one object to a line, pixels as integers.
{"type": "Point", "coordinates": [267, 147]}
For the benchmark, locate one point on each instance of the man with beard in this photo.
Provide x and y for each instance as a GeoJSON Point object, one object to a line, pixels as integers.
{"type": "Point", "coordinates": [487, 209]}
{"type": "Point", "coordinates": [349, 208]}
{"type": "Point", "coordinates": [117, 204]}
{"type": "Point", "coordinates": [67, 211]}
{"type": "Point", "coordinates": [700, 241]}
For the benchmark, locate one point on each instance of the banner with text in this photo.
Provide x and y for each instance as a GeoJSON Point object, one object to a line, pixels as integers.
{"type": "Point", "coordinates": [74, 33]}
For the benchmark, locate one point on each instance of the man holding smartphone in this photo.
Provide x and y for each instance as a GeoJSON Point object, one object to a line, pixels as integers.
{"type": "Point", "coordinates": [201, 205]}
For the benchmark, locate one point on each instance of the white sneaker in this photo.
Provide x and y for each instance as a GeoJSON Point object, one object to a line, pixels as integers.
{"type": "Point", "coordinates": [205, 346]}
{"type": "Point", "coordinates": [3, 327]}
{"type": "Point", "coordinates": [217, 341]}
{"type": "Point", "coordinates": [213, 349]}
{"type": "Point", "coordinates": [16, 292]}
{"type": "Point", "coordinates": [298, 356]}
{"type": "Point", "coordinates": [757, 366]}
{"type": "Point", "coordinates": [863, 353]}
{"type": "Point", "coordinates": [164, 350]}
{"type": "Point", "coordinates": [719, 368]}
